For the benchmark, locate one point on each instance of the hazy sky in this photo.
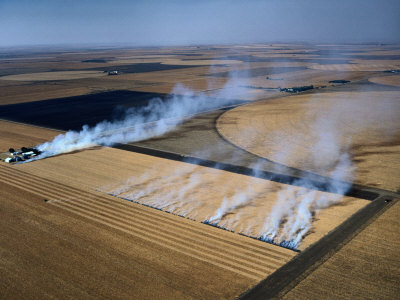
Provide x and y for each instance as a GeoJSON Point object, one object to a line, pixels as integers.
{"type": "Point", "coordinates": [30, 22]}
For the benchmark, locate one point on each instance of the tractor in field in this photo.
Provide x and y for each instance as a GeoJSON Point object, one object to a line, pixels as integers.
{"type": "Point", "coordinates": [14, 156]}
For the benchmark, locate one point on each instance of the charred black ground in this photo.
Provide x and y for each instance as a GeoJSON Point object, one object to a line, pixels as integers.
{"type": "Point", "coordinates": [143, 67]}
{"type": "Point", "coordinates": [71, 113]}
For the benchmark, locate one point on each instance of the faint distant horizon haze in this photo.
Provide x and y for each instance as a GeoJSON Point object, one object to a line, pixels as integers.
{"type": "Point", "coordinates": [178, 22]}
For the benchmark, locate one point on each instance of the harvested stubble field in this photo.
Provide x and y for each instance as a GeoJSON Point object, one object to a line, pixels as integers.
{"type": "Point", "coordinates": [193, 191]}
{"type": "Point", "coordinates": [286, 130]}
{"type": "Point", "coordinates": [63, 235]}
{"type": "Point", "coordinates": [393, 80]}
{"type": "Point", "coordinates": [126, 244]}
{"type": "Point", "coordinates": [366, 268]}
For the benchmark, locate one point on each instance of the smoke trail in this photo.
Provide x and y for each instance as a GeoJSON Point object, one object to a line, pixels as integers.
{"type": "Point", "coordinates": [178, 189]}
{"type": "Point", "coordinates": [156, 118]}
{"type": "Point", "coordinates": [237, 201]}
{"type": "Point", "coordinates": [291, 217]}
{"type": "Point", "coordinates": [241, 198]}
{"type": "Point", "coordinates": [287, 224]}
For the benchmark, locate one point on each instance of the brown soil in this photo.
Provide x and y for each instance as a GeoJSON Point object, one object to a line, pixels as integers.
{"type": "Point", "coordinates": [61, 75]}
{"type": "Point", "coordinates": [29, 93]}
{"type": "Point", "coordinates": [15, 135]}
{"type": "Point", "coordinates": [78, 63]}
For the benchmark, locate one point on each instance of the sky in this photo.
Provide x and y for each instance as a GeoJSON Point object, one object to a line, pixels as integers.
{"type": "Point", "coordinates": [178, 22]}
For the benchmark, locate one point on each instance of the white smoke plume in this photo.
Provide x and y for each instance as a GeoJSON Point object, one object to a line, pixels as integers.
{"type": "Point", "coordinates": [335, 126]}
{"type": "Point", "coordinates": [288, 221]}
{"type": "Point", "coordinates": [291, 217]}
{"type": "Point", "coordinates": [157, 118]}
{"type": "Point", "coordinates": [177, 189]}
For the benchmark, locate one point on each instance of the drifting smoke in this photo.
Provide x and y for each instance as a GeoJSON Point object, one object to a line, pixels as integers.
{"type": "Point", "coordinates": [242, 197]}
{"type": "Point", "coordinates": [155, 119]}
{"type": "Point", "coordinates": [286, 224]}
{"type": "Point", "coordinates": [290, 219]}
{"type": "Point", "coordinates": [177, 189]}
{"type": "Point", "coordinates": [336, 125]}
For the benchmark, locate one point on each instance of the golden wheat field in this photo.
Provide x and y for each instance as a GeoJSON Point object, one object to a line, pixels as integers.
{"type": "Point", "coordinates": [316, 156]}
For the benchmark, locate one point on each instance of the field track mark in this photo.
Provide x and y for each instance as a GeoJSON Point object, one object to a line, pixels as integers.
{"type": "Point", "coordinates": [247, 256]}
{"type": "Point", "coordinates": [152, 236]}
{"type": "Point", "coordinates": [243, 258]}
{"type": "Point", "coordinates": [255, 267]}
{"type": "Point", "coordinates": [155, 238]}
{"type": "Point", "coordinates": [208, 245]}
{"type": "Point", "coordinates": [252, 247]}
{"type": "Point", "coordinates": [182, 239]}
